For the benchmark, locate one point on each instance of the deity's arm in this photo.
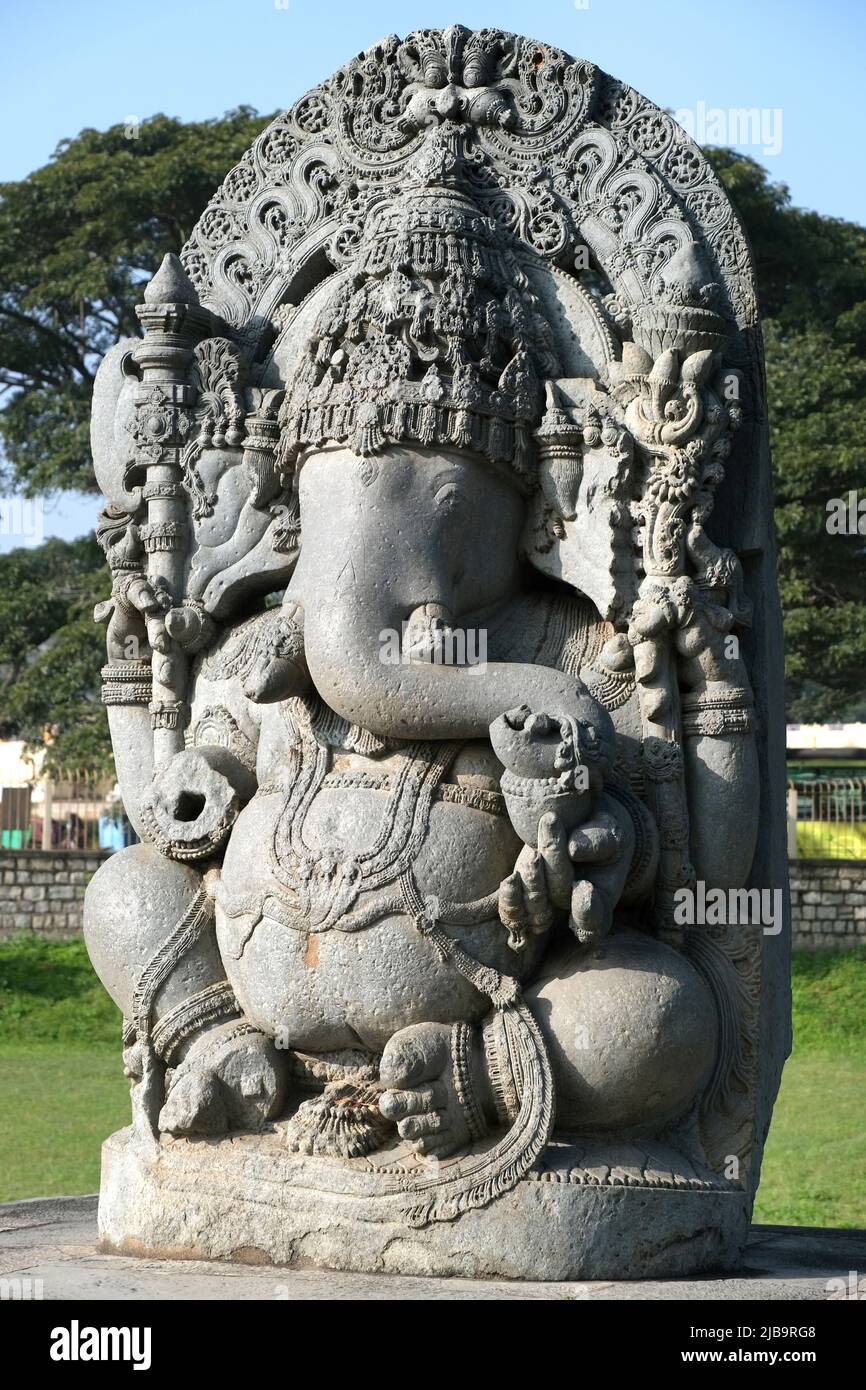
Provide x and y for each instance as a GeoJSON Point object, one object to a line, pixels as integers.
{"type": "Point", "coordinates": [132, 742]}
{"type": "Point", "coordinates": [715, 719]}
{"type": "Point", "coordinates": [720, 758]}
{"type": "Point", "coordinates": [717, 736]}
{"type": "Point", "coordinates": [251, 664]}
{"type": "Point", "coordinates": [255, 664]}
{"type": "Point", "coordinates": [721, 768]}
{"type": "Point", "coordinates": [134, 631]}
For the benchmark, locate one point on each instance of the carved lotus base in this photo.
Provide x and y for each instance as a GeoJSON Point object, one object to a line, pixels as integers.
{"type": "Point", "coordinates": [248, 1198]}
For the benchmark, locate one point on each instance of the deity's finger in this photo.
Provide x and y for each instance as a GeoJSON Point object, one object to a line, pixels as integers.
{"type": "Point", "coordinates": [512, 910]}
{"type": "Point", "coordinates": [553, 848]}
{"type": "Point", "coordinates": [590, 913]}
{"type": "Point", "coordinates": [595, 842]}
{"type": "Point", "coordinates": [535, 893]}
{"type": "Point", "coordinates": [435, 1145]}
{"type": "Point", "coordinates": [648, 621]}
{"type": "Point", "coordinates": [156, 634]}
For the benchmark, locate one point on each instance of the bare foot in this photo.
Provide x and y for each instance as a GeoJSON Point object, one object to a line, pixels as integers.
{"type": "Point", "coordinates": [437, 1106]}
{"type": "Point", "coordinates": [229, 1079]}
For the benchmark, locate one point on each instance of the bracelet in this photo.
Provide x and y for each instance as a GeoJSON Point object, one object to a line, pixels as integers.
{"type": "Point", "coordinates": [122, 578]}
{"type": "Point", "coordinates": [126, 683]}
{"type": "Point", "coordinates": [612, 688]}
{"type": "Point", "coordinates": [461, 1058]}
{"type": "Point", "coordinates": [728, 712]}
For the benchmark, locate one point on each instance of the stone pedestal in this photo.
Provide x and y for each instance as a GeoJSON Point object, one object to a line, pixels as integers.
{"type": "Point", "coordinates": [47, 1251]}
{"type": "Point", "coordinates": [576, 1216]}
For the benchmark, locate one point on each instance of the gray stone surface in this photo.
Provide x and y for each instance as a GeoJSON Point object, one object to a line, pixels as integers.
{"type": "Point", "coordinates": [406, 980]}
{"type": "Point", "coordinates": [244, 1197]}
{"type": "Point", "coordinates": [53, 1239]}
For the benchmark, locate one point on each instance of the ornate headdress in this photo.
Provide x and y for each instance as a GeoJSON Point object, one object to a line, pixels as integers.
{"type": "Point", "coordinates": [433, 336]}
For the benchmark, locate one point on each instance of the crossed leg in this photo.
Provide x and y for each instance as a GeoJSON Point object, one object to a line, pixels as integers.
{"type": "Point", "coordinates": [630, 1028]}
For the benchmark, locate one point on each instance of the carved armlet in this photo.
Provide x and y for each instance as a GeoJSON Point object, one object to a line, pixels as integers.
{"type": "Point", "coordinates": [127, 683]}
{"type": "Point", "coordinates": [718, 713]}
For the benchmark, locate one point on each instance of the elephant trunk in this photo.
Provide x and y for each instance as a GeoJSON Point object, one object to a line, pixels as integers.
{"type": "Point", "coordinates": [363, 678]}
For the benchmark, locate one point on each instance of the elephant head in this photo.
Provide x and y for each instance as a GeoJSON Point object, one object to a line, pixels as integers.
{"type": "Point", "coordinates": [427, 468]}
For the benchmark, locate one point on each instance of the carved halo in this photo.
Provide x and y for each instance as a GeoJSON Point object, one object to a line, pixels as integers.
{"type": "Point", "coordinates": [565, 156]}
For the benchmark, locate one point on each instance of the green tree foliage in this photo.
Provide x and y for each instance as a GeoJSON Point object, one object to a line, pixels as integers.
{"type": "Point", "coordinates": [78, 239]}
{"type": "Point", "coordinates": [811, 274]}
{"type": "Point", "coordinates": [51, 651]}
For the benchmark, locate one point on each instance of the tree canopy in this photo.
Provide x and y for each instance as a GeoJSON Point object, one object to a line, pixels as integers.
{"type": "Point", "coordinates": [77, 240]}
{"type": "Point", "coordinates": [51, 651]}
{"type": "Point", "coordinates": [811, 273]}
{"type": "Point", "coordinates": [80, 236]}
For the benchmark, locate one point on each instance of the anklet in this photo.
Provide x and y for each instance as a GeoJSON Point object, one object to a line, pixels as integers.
{"type": "Point", "coordinates": [216, 1002]}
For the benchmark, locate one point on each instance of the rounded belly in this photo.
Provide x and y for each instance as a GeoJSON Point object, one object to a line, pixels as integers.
{"type": "Point", "coordinates": [333, 988]}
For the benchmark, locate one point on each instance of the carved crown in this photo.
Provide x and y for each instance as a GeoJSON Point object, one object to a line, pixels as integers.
{"type": "Point", "coordinates": [433, 335]}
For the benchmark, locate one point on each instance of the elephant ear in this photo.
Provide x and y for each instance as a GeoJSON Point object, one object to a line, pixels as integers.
{"type": "Point", "coordinates": [579, 525]}
{"type": "Point", "coordinates": [114, 390]}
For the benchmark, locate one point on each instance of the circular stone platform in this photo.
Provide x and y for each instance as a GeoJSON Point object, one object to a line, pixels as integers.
{"type": "Point", "coordinates": [53, 1239]}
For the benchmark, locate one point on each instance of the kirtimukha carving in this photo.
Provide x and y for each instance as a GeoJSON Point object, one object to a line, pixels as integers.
{"type": "Point", "coordinates": [443, 666]}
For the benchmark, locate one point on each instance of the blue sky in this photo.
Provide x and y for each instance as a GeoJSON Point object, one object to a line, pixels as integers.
{"type": "Point", "coordinates": [75, 63]}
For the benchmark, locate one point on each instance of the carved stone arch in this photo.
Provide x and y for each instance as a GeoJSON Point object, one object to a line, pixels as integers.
{"type": "Point", "coordinates": [566, 157]}
{"type": "Point", "coordinates": [561, 157]}
{"type": "Point", "coordinates": [566, 145]}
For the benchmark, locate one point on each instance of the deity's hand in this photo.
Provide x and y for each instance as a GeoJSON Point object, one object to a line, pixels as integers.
{"type": "Point", "coordinates": [567, 873]}
{"type": "Point", "coordinates": [708, 655]}
{"type": "Point", "coordinates": [136, 618]}
{"type": "Point", "coordinates": [194, 800]}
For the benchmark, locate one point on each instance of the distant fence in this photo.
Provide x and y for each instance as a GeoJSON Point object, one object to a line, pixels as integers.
{"type": "Point", "coordinates": [76, 810]}
{"type": "Point", "coordinates": [81, 811]}
{"type": "Point", "coordinates": [827, 819]}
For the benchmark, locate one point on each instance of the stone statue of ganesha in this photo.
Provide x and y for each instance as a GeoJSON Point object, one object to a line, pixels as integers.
{"type": "Point", "coordinates": [402, 930]}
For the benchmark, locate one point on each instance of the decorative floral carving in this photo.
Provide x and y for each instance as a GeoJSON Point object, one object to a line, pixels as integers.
{"type": "Point", "coordinates": [158, 423]}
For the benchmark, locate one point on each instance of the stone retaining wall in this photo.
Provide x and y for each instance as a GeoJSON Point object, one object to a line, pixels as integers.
{"type": "Point", "coordinates": [828, 903]}
{"type": "Point", "coordinates": [43, 892]}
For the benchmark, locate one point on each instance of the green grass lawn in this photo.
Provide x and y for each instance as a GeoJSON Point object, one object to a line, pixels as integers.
{"type": "Point", "coordinates": [62, 1089]}
{"type": "Point", "coordinates": [814, 1171]}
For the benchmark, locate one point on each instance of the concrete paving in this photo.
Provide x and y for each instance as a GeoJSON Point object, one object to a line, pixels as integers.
{"type": "Point", "coordinates": [51, 1242]}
